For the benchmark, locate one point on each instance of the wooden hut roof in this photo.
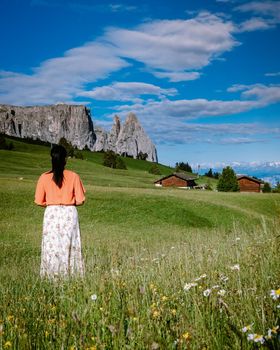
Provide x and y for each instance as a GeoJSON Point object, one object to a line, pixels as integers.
{"type": "Point", "coordinates": [239, 177]}
{"type": "Point", "coordinates": [182, 176]}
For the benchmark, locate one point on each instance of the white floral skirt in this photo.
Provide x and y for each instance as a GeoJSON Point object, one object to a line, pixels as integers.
{"type": "Point", "coordinates": [61, 242]}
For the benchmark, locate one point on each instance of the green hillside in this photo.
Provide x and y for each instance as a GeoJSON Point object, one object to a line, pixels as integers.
{"type": "Point", "coordinates": [30, 160]}
{"type": "Point", "coordinates": [142, 247]}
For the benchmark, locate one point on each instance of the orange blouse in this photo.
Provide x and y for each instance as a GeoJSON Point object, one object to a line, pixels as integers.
{"type": "Point", "coordinates": [72, 191]}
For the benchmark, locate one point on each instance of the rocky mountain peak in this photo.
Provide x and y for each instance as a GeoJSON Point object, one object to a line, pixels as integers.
{"type": "Point", "coordinates": [74, 123]}
{"type": "Point", "coordinates": [49, 123]}
{"type": "Point", "coordinates": [131, 118]}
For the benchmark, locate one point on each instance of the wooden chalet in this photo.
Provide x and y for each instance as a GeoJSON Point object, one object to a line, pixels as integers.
{"type": "Point", "coordinates": [248, 184]}
{"type": "Point", "coordinates": [177, 180]}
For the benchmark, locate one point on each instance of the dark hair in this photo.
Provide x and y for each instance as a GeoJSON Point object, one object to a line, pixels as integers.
{"type": "Point", "coordinates": [58, 154]}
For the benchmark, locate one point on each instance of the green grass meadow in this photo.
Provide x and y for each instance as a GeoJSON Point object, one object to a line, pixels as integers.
{"type": "Point", "coordinates": [165, 268]}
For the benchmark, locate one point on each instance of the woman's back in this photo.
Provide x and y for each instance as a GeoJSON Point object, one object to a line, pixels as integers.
{"type": "Point", "coordinates": [70, 193]}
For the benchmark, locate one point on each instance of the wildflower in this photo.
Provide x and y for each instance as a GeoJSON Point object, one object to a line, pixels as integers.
{"type": "Point", "coordinates": [237, 239]}
{"type": "Point", "coordinates": [164, 298]}
{"type": "Point", "coordinates": [256, 338]}
{"type": "Point", "coordinates": [235, 267]}
{"type": "Point", "coordinates": [7, 345]}
{"type": "Point", "coordinates": [221, 292]}
{"type": "Point", "coordinates": [224, 278]}
{"type": "Point", "coordinates": [51, 321]}
{"type": "Point", "coordinates": [207, 292]}
{"type": "Point", "coordinates": [186, 336]}
{"type": "Point", "coordinates": [271, 331]}
{"type": "Point", "coordinates": [275, 293]}
{"type": "Point", "coordinates": [200, 277]}
{"type": "Point", "coordinates": [216, 286]}
{"type": "Point", "coordinates": [112, 329]}
{"type": "Point", "coordinates": [188, 286]}
{"type": "Point", "coordinates": [173, 311]}
{"type": "Point", "coordinates": [154, 346]}
{"type": "Point", "coordinates": [115, 272]}
{"type": "Point", "coordinates": [156, 314]}
{"type": "Point", "coordinates": [10, 318]}
{"type": "Point", "coordinates": [93, 297]}
{"type": "Point", "coordinates": [247, 328]}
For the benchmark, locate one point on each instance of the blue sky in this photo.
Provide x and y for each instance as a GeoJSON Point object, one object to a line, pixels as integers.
{"type": "Point", "coordinates": [203, 77]}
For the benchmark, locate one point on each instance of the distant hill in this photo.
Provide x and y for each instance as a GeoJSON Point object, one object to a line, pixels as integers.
{"type": "Point", "coordinates": [28, 160]}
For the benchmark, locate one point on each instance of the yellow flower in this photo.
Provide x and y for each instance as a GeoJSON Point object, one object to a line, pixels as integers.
{"type": "Point", "coordinates": [156, 314]}
{"type": "Point", "coordinates": [73, 347]}
{"type": "Point", "coordinates": [186, 336]}
{"type": "Point", "coordinates": [10, 318]}
{"type": "Point", "coordinates": [247, 328]}
{"type": "Point", "coordinates": [7, 345]}
{"type": "Point", "coordinates": [153, 305]}
{"type": "Point", "coordinates": [275, 293]}
{"type": "Point", "coordinates": [51, 321]}
{"type": "Point", "coordinates": [46, 334]}
{"type": "Point", "coordinates": [173, 311]}
{"type": "Point", "coordinates": [164, 298]}
{"type": "Point", "coordinates": [134, 319]}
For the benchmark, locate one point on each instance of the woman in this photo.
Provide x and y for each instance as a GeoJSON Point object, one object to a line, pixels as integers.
{"type": "Point", "coordinates": [60, 191]}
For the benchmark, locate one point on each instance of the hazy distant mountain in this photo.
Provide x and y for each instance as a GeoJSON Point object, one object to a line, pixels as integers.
{"type": "Point", "coordinates": [267, 171]}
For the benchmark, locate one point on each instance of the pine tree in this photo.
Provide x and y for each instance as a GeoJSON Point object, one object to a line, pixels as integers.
{"type": "Point", "coordinates": [154, 169]}
{"type": "Point", "coordinates": [266, 187]}
{"type": "Point", "coordinates": [228, 181]}
{"type": "Point", "coordinates": [120, 164]}
{"type": "Point", "coordinates": [110, 159]}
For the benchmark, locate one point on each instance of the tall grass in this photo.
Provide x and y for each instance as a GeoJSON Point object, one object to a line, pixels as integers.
{"type": "Point", "coordinates": [165, 269]}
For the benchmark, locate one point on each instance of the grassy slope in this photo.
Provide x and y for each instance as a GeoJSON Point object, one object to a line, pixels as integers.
{"type": "Point", "coordinates": [151, 235]}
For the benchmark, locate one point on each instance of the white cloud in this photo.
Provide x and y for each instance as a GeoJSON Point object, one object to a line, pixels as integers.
{"type": "Point", "coordinates": [253, 24]}
{"type": "Point", "coordinates": [60, 79]}
{"type": "Point", "coordinates": [265, 8]}
{"type": "Point", "coordinates": [262, 94]}
{"type": "Point", "coordinates": [274, 74]}
{"type": "Point", "coordinates": [175, 77]}
{"type": "Point", "coordinates": [266, 15]}
{"type": "Point", "coordinates": [163, 131]}
{"type": "Point", "coordinates": [169, 120]}
{"type": "Point", "coordinates": [170, 49]}
{"type": "Point", "coordinates": [127, 91]}
{"type": "Point", "coordinates": [238, 140]}
{"type": "Point", "coordinates": [175, 45]}
{"type": "Point", "coordinates": [122, 8]}
{"type": "Point", "coordinates": [188, 109]}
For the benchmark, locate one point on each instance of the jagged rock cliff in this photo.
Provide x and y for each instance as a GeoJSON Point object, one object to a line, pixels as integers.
{"type": "Point", "coordinates": [49, 123]}
{"type": "Point", "coordinates": [128, 139]}
{"type": "Point", "coordinates": [73, 122]}
{"type": "Point", "coordinates": [132, 140]}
